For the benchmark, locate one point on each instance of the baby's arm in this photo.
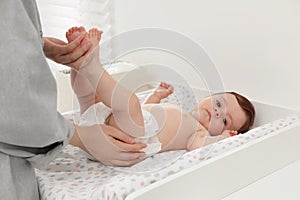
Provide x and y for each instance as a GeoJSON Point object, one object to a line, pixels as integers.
{"type": "Point", "coordinates": [226, 134]}
{"type": "Point", "coordinates": [161, 92]}
{"type": "Point", "coordinates": [202, 138]}
{"type": "Point", "coordinates": [196, 140]}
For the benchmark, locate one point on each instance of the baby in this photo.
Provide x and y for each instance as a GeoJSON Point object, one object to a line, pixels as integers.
{"type": "Point", "coordinates": [163, 126]}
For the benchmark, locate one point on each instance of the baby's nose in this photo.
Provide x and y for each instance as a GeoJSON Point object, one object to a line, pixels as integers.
{"type": "Point", "coordinates": [218, 112]}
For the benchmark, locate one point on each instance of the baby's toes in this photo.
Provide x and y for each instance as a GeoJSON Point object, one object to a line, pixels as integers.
{"type": "Point", "coordinates": [81, 29]}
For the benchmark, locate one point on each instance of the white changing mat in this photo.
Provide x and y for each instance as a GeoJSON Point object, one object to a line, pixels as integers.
{"type": "Point", "coordinates": [72, 176]}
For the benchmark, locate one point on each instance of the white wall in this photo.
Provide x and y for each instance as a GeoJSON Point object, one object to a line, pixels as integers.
{"type": "Point", "coordinates": [255, 44]}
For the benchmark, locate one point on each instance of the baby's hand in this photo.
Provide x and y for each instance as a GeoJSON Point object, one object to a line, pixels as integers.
{"type": "Point", "coordinates": [163, 90]}
{"type": "Point", "coordinates": [226, 134]}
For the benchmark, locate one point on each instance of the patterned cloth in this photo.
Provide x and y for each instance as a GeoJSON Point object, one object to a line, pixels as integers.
{"type": "Point", "coordinates": [73, 176]}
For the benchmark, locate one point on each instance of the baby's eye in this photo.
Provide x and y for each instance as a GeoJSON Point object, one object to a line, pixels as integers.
{"type": "Point", "coordinates": [225, 121]}
{"type": "Point", "coordinates": [218, 103]}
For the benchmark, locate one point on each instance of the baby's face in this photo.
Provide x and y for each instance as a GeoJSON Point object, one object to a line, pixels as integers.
{"type": "Point", "coordinates": [219, 112]}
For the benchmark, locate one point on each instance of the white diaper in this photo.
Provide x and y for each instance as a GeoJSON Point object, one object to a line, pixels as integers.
{"type": "Point", "coordinates": [150, 138]}
{"type": "Point", "coordinates": [97, 114]}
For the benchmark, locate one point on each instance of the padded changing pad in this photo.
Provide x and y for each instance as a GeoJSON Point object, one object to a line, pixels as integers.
{"type": "Point", "coordinates": [72, 176]}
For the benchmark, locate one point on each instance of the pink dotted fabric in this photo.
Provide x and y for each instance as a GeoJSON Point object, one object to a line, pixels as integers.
{"type": "Point", "coordinates": [72, 176]}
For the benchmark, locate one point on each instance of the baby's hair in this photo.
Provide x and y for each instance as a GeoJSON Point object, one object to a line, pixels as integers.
{"type": "Point", "coordinates": [249, 110]}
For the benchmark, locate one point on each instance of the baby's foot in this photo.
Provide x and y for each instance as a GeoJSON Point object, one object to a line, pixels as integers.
{"type": "Point", "coordinates": [94, 36]}
{"type": "Point", "coordinates": [74, 32]}
{"type": "Point", "coordinates": [163, 90]}
{"type": "Point", "coordinates": [93, 58]}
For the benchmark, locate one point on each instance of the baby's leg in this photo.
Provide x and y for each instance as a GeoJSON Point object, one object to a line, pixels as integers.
{"type": "Point", "coordinates": [124, 103]}
{"type": "Point", "coordinates": [81, 85]}
{"type": "Point", "coordinates": [79, 79]}
{"type": "Point", "coordinates": [83, 89]}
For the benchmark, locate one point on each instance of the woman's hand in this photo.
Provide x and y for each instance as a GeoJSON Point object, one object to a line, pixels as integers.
{"type": "Point", "coordinates": [70, 54]}
{"type": "Point", "coordinates": [108, 145]}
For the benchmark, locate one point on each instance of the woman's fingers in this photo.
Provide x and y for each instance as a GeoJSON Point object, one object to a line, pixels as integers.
{"type": "Point", "coordinates": [116, 133]}
{"type": "Point", "coordinates": [78, 56]}
{"type": "Point", "coordinates": [70, 47]}
{"type": "Point", "coordinates": [125, 147]}
{"type": "Point", "coordinates": [81, 61]}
